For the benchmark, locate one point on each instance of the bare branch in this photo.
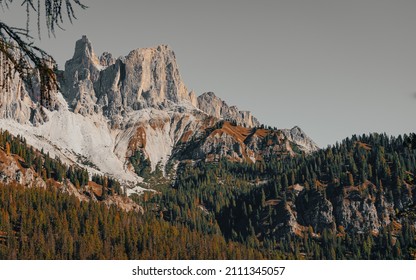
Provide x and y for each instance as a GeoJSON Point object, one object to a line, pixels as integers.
{"type": "Point", "coordinates": [32, 60]}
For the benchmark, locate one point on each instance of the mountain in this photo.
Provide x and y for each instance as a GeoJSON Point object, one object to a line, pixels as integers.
{"type": "Point", "coordinates": [111, 111]}
{"type": "Point", "coordinates": [18, 100]}
{"type": "Point", "coordinates": [178, 167]}
{"type": "Point", "coordinates": [23, 165]}
{"type": "Point", "coordinates": [214, 106]}
{"type": "Point", "coordinates": [354, 200]}
{"type": "Point", "coordinates": [145, 78]}
{"type": "Point", "coordinates": [298, 136]}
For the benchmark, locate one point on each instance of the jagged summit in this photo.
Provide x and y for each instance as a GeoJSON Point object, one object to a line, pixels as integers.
{"type": "Point", "coordinates": [216, 107]}
{"type": "Point", "coordinates": [152, 78]}
{"type": "Point", "coordinates": [146, 77]}
{"type": "Point", "coordinates": [297, 135]}
{"type": "Point", "coordinates": [84, 58]}
{"type": "Point", "coordinates": [106, 59]}
{"type": "Point", "coordinates": [138, 105]}
{"type": "Point", "coordinates": [83, 49]}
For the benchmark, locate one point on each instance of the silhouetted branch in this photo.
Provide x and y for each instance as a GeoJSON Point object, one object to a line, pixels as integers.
{"type": "Point", "coordinates": [16, 44]}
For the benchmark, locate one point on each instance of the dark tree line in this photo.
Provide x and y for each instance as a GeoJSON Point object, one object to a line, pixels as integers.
{"type": "Point", "coordinates": [220, 210]}
{"type": "Point", "coordinates": [246, 202]}
{"type": "Point", "coordinates": [47, 224]}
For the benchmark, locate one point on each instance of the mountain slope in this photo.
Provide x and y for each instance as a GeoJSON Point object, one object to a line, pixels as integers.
{"type": "Point", "coordinates": [215, 173]}
{"type": "Point", "coordinates": [113, 109]}
{"type": "Point", "coordinates": [214, 106]}
{"type": "Point", "coordinates": [355, 200]}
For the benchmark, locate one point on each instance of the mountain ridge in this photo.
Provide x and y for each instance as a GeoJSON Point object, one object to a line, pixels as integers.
{"type": "Point", "coordinates": [208, 168]}
{"type": "Point", "coordinates": [112, 109]}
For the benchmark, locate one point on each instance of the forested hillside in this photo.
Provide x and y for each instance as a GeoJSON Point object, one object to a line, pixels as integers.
{"type": "Point", "coordinates": [354, 200]}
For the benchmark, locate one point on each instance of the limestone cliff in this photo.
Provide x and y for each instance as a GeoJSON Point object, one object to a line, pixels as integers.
{"type": "Point", "coordinates": [145, 78]}
{"type": "Point", "coordinates": [20, 99]}
{"type": "Point", "coordinates": [214, 106]}
{"type": "Point", "coordinates": [115, 108]}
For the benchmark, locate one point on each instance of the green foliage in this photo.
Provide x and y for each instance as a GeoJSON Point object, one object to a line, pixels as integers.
{"type": "Point", "coordinates": [46, 224]}
{"type": "Point", "coordinates": [109, 184]}
{"type": "Point", "coordinates": [248, 203]}
{"type": "Point", "coordinates": [237, 210]}
{"type": "Point", "coordinates": [140, 164]}
{"type": "Point", "coordinates": [42, 163]}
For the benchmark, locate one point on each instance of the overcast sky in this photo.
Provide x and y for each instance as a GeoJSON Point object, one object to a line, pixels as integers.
{"type": "Point", "coordinates": [333, 67]}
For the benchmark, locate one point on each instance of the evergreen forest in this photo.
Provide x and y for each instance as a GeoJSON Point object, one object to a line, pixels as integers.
{"type": "Point", "coordinates": [353, 200]}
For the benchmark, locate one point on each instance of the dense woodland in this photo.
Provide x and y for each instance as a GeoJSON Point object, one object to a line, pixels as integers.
{"type": "Point", "coordinates": [222, 210]}
{"type": "Point", "coordinates": [247, 202]}
{"type": "Point", "coordinates": [46, 224]}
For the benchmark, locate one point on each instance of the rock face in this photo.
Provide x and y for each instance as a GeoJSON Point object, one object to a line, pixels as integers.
{"type": "Point", "coordinates": [84, 66]}
{"type": "Point", "coordinates": [353, 208]}
{"type": "Point", "coordinates": [316, 210]}
{"type": "Point", "coordinates": [231, 141]}
{"type": "Point", "coordinates": [145, 78]}
{"type": "Point", "coordinates": [15, 102]}
{"type": "Point", "coordinates": [18, 100]}
{"type": "Point", "coordinates": [214, 106]}
{"type": "Point", "coordinates": [106, 59]}
{"type": "Point", "coordinates": [299, 137]}
{"type": "Point", "coordinates": [111, 109]}
{"type": "Point", "coordinates": [152, 78]}
{"type": "Point", "coordinates": [12, 171]}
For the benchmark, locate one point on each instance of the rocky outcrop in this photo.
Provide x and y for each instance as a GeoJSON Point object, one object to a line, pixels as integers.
{"type": "Point", "coordinates": [297, 136]}
{"type": "Point", "coordinates": [158, 133]}
{"type": "Point", "coordinates": [361, 209]}
{"type": "Point", "coordinates": [152, 79]}
{"type": "Point", "coordinates": [145, 78]}
{"type": "Point", "coordinates": [139, 103]}
{"type": "Point", "coordinates": [358, 209]}
{"type": "Point", "coordinates": [83, 66]}
{"type": "Point", "coordinates": [106, 59]}
{"type": "Point", "coordinates": [214, 106]}
{"type": "Point", "coordinates": [315, 210]}
{"type": "Point", "coordinates": [19, 99]}
{"type": "Point", "coordinates": [236, 143]}
{"type": "Point", "coordinates": [12, 171]}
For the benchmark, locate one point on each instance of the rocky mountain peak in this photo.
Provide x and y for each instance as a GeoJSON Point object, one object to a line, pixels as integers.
{"type": "Point", "coordinates": [106, 59]}
{"type": "Point", "coordinates": [84, 58]}
{"type": "Point", "coordinates": [298, 136]}
{"type": "Point", "coordinates": [152, 78]}
{"type": "Point", "coordinates": [146, 77]}
{"type": "Point", "coordinates": [83, 49]}
{"type": "Point", "coordinates": [80, 73]}
{"type": "Point", "coordinates": [216, 107]}
{"type": "Point", "coordinates": [138, 104]}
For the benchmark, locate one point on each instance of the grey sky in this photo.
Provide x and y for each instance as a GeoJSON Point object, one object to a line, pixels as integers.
{"type": "Point", "coordinates": [334, 68]}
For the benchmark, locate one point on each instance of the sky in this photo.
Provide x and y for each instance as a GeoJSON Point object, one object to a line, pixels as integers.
{"type": "Point", "coordinates": [334, 68]}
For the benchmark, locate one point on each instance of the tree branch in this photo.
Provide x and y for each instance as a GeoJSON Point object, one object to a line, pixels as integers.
{"type": "Point", "coordinates": [28, 60]}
